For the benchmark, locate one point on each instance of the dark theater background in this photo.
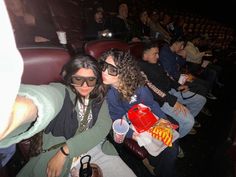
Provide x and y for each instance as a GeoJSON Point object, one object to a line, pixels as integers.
{"type": "Point", "coordinates": [209, 153]}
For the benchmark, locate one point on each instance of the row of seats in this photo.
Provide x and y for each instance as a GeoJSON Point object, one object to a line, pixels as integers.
{"type": "Point", "coordinates": [42, 65]}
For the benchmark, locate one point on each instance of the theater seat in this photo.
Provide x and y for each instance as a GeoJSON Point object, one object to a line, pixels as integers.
{"type": "Point", "coordinates": [136, 49]}
{"type": "Point", "coordinates": [42, 65]}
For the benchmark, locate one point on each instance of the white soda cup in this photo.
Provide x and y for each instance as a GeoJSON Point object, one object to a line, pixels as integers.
{"type": "Point", "coordinates": [120, 128]}
{"type": "Point", "coordinates": [62, 37]}
{"type": "Point", "coordinates": [182, 79]}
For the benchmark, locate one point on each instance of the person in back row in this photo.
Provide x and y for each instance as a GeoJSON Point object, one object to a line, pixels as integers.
{"type": "Point", "coordinates": [75, 121]}
{"type": "Point", "coordinates": [97, 27]}
{"type": "Point", "coordinates": [127, 88]}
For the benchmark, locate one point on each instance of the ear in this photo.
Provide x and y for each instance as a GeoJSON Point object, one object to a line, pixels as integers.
{"type": "Point", "coordinates": [63, 73]}
{"type": "Point", "coordinates": [145, 56]}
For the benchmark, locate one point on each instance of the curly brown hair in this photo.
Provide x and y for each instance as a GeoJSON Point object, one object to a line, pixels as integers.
{"type": "Point", "coordinates": [129, 73]}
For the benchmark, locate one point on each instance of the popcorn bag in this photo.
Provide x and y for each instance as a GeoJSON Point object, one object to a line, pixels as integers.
{"type": "Point", "coordinates": [141, 117]}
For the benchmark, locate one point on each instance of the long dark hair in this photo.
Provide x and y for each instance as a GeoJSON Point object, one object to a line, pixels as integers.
{"type": "Point", "coordinates": [87, 62]}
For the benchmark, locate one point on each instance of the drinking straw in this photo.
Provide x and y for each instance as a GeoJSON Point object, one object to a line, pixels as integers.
{"type": "Point", "coordinates": [121, 121]}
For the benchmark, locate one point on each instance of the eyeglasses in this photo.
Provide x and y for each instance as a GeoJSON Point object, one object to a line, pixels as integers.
{"type": "Point", "coordinates": [112, 70]}
{"type": "Point", "coordinates": [79, 81]}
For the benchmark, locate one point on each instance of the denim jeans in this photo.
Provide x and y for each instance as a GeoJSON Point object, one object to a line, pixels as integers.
{"type": "Point", "coordinates": [185, 121]}
{"type": "Point", "coordinates": [194, 104]}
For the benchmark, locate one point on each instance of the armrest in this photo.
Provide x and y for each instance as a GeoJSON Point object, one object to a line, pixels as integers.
{"type": "Point", "coordinates": [133, 146]}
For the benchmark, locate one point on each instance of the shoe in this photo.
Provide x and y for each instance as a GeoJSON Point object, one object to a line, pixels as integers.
{"type": "Point", "coordinates": [206, 112]}
{"type": "Point", "coordinates": [193, 131]}
{"type": "Point", "coordinates": [180, 153]}
{"type": "Point", "coordinates": [211, 96]}
{"type": "Point", "coordinates": [197, 124]}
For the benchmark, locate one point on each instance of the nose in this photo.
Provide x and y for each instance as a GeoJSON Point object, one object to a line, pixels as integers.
{"type": "Point", "coordinates": [85, 84]}
{"type": "Point", "coordinates": [105, 72]}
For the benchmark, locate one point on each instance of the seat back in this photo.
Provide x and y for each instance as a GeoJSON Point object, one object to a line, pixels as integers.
{"type": "Point", "coordinates": [136, 49]}
{"type": "Point", "coordinates": [97, 47]}
{"type": "Point", "coordinates": [43, 65]}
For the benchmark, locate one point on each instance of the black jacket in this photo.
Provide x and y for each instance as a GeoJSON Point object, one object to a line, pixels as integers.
{"type": "Point", "coordinates": [157, 76]}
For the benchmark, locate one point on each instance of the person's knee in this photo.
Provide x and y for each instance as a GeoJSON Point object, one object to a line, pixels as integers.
{"type": "Point", "coordinates": [201, 99]}
{"type": "Point", "coordinates": [189, 120]}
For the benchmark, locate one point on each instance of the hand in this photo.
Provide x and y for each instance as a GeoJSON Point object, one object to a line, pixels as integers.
{"type": "Point", "coordinates": [178, 107]}
{"type": "Point", "coordinates": [183, 88]}
{"type": "Point", "coordinates": [103, 33]}
{"type": "Point", "coordinates": [135, 136]}
{"type": "Point", "coordinates": [55, 164]}
{"type": "Point", "coordinates": [40, 39]}
{"type": "Point", "coordinates": [106, 31]}
{"type": "Point", "coordinates": [190, 78]}
{"type": "Point", "coordinates": [182, 53]}
{"type": "Point", "coordinates": [135, 39]}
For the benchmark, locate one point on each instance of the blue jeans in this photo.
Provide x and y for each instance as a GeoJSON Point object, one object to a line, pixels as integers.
{"type": "Point", "coordinates": [194, 105]}
{"type": "Point", "coordinates": [185, 121]}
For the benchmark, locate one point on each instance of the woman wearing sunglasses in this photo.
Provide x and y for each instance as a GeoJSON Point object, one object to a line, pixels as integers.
{"type": "Point", "coordinates": [120, 71]}
{"type": "Point", "coordinates": [75, 120]}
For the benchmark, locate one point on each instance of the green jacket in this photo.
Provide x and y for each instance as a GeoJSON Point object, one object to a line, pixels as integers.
{"type": "Point", "coordinates": [49, 100]}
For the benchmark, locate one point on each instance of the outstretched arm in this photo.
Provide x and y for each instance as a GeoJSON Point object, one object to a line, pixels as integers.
{"type": "Point", "coordinates": [23, 111]}
{"type": "Point", "coordinates": [34, 108]}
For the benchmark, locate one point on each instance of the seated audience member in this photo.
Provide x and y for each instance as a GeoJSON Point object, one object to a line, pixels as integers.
{"type": "Point", "coordinates": [31, 22]}
{"type": "Point", "coordinates": [196, 64]}
{"type": "Point", "coordinates": [143, 26]}
{"type": "Point", "coordinates": [74, 118]}
{"type": "Point", "coordinates": [166, 22]}
{"type": "Point", "coordinates": [120, 26]}
{"type": "Point", "coordinates": [120, 71]}
{"type": "Point", "coordinates": [177, 27]}
{"type": "Point", "coordinates": [97, 27]}
{"type": "Point", "coordinates": [172, 58]}
{"type": "Point", "coordinates": [157, 31]}
{"type": "Point", "coordinates": [173, 101]}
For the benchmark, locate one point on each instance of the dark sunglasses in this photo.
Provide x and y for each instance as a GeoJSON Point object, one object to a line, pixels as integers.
{"type": "Point", "coordinates": [79, 81]}
{"type": "Point", "coordinates": [112, 70]}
